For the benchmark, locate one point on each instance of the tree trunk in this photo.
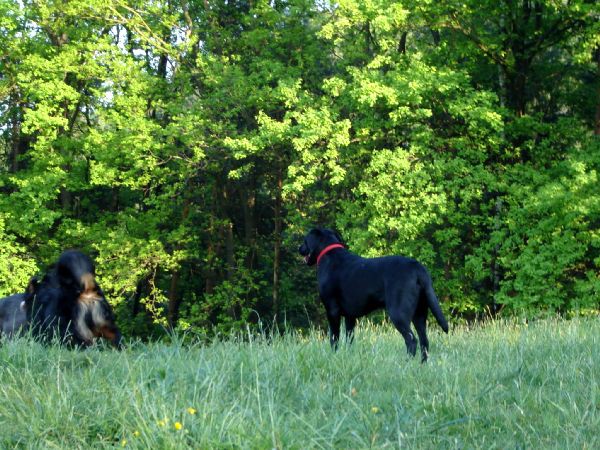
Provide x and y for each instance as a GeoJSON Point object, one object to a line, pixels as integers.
{"type": "Point", "coordinates": [15, 153]}
{"type": "Point", "coordinates": [66, 198]}
{"type": "Point", "coordinates": [495, 257]}
{"type": "Point", "coordinates": [210, 276]}
{"type": "Point", "coordinates": [402, 43]}
{"type": "Point", "coordinates": [435, 34]}
{"type": "Point", "coordinates": [174, 301]}
{"type": "Point", "coordinates": [277, 243]}
{"type": "Point", "coordinates": [229, 251]}
{"type": "Point", "coordinates": [137, 296]}
{"type": "Point", "coordinates": [248, 199]}
{"type": "Point", "coordinates": [174, 297]}
{"type": "Point", "coordinates": [211, 248]}
{"type": "Point", "coordinates": [597, 119]}
{"type": "Point", "coordinates": [516, 83]}
{"type": "Point", "coordinates": [114, 199]}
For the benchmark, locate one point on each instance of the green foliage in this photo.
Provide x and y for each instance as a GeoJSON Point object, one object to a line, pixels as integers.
{"type": "Point", "coordinates": [187, 146]}
{"type": "Point", "coordinates": [549, 244]}
{"type": "Point", "coordinates": [15, 264]}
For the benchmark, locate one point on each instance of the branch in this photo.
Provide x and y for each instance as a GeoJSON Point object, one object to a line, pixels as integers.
{"type": "Point", "coordinates": [469, 34]}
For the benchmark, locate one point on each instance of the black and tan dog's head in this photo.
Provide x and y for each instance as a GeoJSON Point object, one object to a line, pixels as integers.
{"type": "Point", "coordinates": [316, 241]}
{"type": "Point", "coordinates": [76, 272]}
{"type": "Point", "coordinates": [91, 314]}
{"type": "Point", "coordinates": [69, 300]}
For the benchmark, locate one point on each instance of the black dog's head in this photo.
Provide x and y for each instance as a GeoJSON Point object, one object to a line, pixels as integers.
{"type": "Point", "coordinates": [315, 241]}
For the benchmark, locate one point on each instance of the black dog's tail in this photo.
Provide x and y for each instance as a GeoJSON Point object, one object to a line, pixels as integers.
{"type": "Point", "coordinates": [432, 301]}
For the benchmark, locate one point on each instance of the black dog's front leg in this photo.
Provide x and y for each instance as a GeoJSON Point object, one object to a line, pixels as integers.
{"type": "Point", "coordinates": [334, 329]}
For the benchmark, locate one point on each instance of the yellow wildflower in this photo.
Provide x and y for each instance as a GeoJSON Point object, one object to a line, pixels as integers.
{"type": "Point", "coordinates": [374, 409]}
{"type": "Point", "coordinates": [123, 442]}
{"type": "Point", "coordinates": [136, 433]}
{"type": "Point", "coordinates": [178, 426]}
{"type": "Point", "coordinates": [191, 410]}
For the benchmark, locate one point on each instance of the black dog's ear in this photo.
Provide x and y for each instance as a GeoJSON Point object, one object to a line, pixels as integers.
{"type": "Point", "coordinates": [339, 237]}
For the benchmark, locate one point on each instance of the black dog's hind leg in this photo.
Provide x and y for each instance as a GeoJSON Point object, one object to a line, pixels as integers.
{"type": "Point", "coordinates": [350, 324]}
{"type": "Point", "coordinates": [334, 329]}
{"type": "Point", "coordinates": [400, 316]}
{"type": "Point", "coordinates": [420, 323]}
{"type": "Point", "coordinates": [403, 327]}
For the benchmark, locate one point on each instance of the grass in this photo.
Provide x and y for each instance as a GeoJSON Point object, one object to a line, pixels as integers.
{"type": "Point", "coordinates": [502, 385]}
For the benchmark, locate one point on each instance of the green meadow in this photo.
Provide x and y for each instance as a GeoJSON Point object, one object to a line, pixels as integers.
{"type": "Point", "coordinates": [498, 385]}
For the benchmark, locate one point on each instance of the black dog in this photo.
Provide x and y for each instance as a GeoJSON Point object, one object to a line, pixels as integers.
{"type": "Point", "coordinates": [69, 305]}
{"type": "Point", "coordinates": [351, 287]}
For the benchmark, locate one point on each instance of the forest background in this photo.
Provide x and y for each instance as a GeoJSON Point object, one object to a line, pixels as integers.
{"type": "Point", "coordinates": [188, 145]}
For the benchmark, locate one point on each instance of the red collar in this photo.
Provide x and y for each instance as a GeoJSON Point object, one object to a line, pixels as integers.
{"type": "Point", "coordinates": [327, 250]}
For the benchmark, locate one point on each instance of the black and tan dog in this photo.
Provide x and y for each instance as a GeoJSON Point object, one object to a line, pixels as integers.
{"type": "Point", "coordinates": [68, 304]}
{"type": "Point", "coordinates": [351, 286]}
{"type": "Point", "coordinates": [13, 316]}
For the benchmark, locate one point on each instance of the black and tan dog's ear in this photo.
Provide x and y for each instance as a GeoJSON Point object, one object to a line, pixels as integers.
{"type": "Point", "coordinates": [33, 284]}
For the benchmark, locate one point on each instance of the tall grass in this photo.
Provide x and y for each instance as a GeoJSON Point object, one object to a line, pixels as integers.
{"type": "Point", "coordinates": [502, 385]}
